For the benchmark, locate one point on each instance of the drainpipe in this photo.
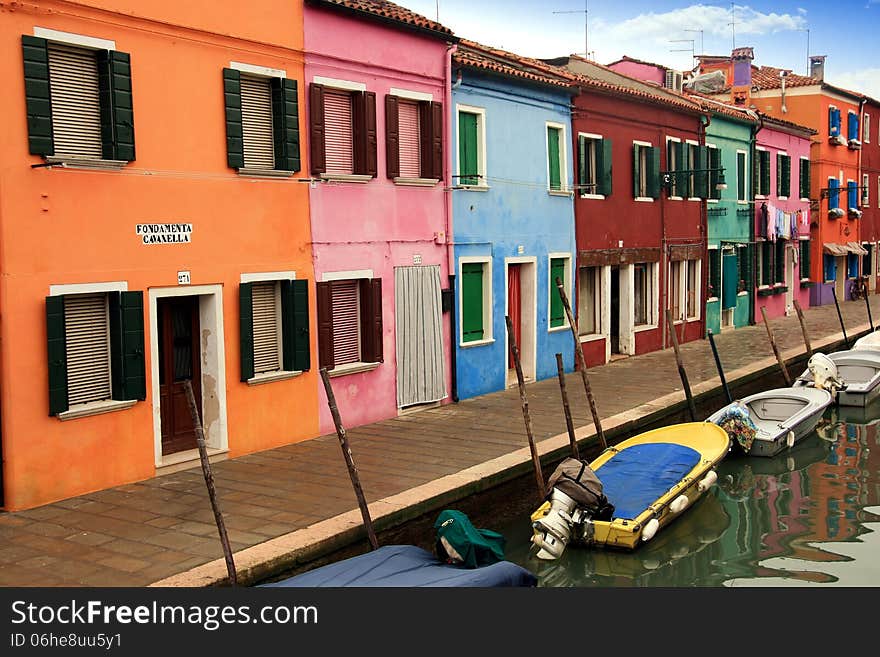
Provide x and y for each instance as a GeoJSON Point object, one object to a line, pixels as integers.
{"type": "Point", "coordinates": [753, 242]}
{"type": "Point", "coordinates": [704, 228]}
{"type": "Point", "coordinates": [447, 196]}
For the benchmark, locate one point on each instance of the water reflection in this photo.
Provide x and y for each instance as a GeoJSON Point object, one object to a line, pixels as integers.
{"type": "Point", "coordinates": [803, 518]}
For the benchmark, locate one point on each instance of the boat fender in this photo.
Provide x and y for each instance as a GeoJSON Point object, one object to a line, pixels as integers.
{"type": "Point", "coordinates": [708, 481]}
{"type": "Point", "coordinates": [679, 504]}
{"type": "Point", "coordinates": [650, 529]}
{"type": "Point", "coordinates": [789, 439]}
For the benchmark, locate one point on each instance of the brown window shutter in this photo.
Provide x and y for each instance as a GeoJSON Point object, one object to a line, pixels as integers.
{"type": "Point", "coordinates": [358, 133]}
{"type": "Point", "coordinates": [372, 167]}
{"type": "Point", "coordinates": [325, 325]}
{"type": "Point", "coordinates": [392, 137]}
{"type": "Point", "coordinates": [426, 123]}
{"type": "Point", "coordinates": [437, 141]}
{"type": "Point", "coordinates": [316, 129]}
{"type": "Point", "coordinates": [371, 320]}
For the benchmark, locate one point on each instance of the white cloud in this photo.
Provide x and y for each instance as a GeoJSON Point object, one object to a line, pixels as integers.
{"type": "Point", "coordinates": [866, 81]}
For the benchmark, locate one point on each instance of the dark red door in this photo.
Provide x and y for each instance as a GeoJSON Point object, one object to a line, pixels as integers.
{"type": "Point", "coordinates": [514, 309]}
{"type": "Point", "coordinates": [178, 324]}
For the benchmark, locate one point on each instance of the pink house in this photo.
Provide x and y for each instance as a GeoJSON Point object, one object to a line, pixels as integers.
{"type": "Point", "coordinates": [377, 78]}
{"type": "Point", "coordinates": [658, 74]}
{"type": "Point", "coordinates": [782, 216]}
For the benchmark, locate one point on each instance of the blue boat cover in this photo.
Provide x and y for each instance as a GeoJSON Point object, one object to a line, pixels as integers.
{"type": "Point", "coordinates": [408, 566]}
{"type": "Point", "coordinates": [636, 476]}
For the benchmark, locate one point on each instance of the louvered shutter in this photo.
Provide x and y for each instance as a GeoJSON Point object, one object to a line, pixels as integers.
{"type": "Point", "coordinates": [371, 163]}
{"type": "Point", "coordinates": [76, 105]}
{"type": "Point", "coordinates": [833, 121]}
{"type": "Point", "coordinates": [285, 121]}
{"type": "Point", "coordinates": [324, 294]}
{"type": "Point", "coordinates": [232, 104]}
{"type": "Point", "coordinates": [57, 355]}
{"type": "Point", "coordinates": [472, 301]}
{"type": "Point", "coordinates": [265, 317]}
{"type": "Point", "coordinates": [346, 323]}
{"type": "Point", "coordinates": [392, 137]}
{"type": "Point", "coordinates": [852, 197]}
{"type": "Point", "coordinates": [765, 172]}
{"type": "Point", "coordinates": [603, 166]}
{"type": "Point", "coordinates": [780, 183]}
{"type": "Point", "coordinates": [636, 171]}
{"type": "Point", "coordinates": [338, 134]}
{"type": "Point", "coordinates": [468, 163]}
{"type": "Point", "coordinates": [414, 145]}
{"type": "Point", "coordinates": [553, 155]}
{"type": "Point", "coordinates": [371, 320]}
{"type": "Point", "coordinates": [681, 178]}
{"type": "Point", "coordinates": [117, 107]}
{"type": "Point", "coordinates": [423, 123]}
{"type": "Point", "coordinates": [127, 345]}
{"type": "Point", "coordinates": [715, 174]}
{"type": "Point", "coordinates": [852, 125]}
{"type": "Point", "coordinates": [317, 146]}
{"type": "Point", "coordinates": [38, 103]}
{"type": "Point", "coordinates": [805, 179]}
{"type": "Point", "coordinates": [557, 312]}
{"type": "Point", "coordinates": [786, 175]}
{"type": "Point", "coordinates": [437, 121]}
{"type": "Point", "coordinates": [805, 259]}
{"type": "Point", "coordinates": [582, 167]}
{"type": "Point", "coordinates": [246, 330]}
{"type": "Point", "coordinates": [295, 329]}
{"type": "Point", "coordinates": [701, 179]}
{"type": "Point", "coordinates": [652, 160]}
{"type": "Point", "coordinates": [258, 133]}
{"type": "Point", "coordinates": [833, 193]}
{"type": "Point", "coordinates": [88, 348]}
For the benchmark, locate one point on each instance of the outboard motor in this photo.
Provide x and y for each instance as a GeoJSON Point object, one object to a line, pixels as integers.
{"type": "Point", "coordinates": [824, 373]}
{"type": "Point", "coordinates": [553, 531]}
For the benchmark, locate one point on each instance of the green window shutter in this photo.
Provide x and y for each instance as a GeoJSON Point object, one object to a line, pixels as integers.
{"type": "Point", "coordinates": [766, 262]}
{"type": "Point", "coordinates": [701, 180]}
{"type": "Point", "coordinates": [715, 175]}
{"type": "Point", "coordinates": [38, 101]}
{"type": "Point", "coordinates": [246, 326]}
{"type": "Point", "coordinates": [117, 109]}
{"type": "Point", "coordinates": [741, 176]}
{"type": "Point", "coordinates": [805, 259]}
{"type": "Point", "coordinates": [680, 167]}
{"type": "Point", "coordinates": [779, 262]}
{"type": "Point", "coordinates": [653, 173]}
{"type": "Point", "coordinates": [234, 131]}
{"type": "Point", "coordinates": [57, 355]}
{"type": "Point", "coordinates": [765, 172]}
{"type": "Point", "coordinates": [472, 301]}
{"type": "Point", "coordinates": [756, 173]}
{"type": "Point", "coordinates": [603, 166]}
{"type": "Point", "coordinates": [553, 155]}
{"type": "Point", "coordinates": [557, 311]}
{"type": "Point", "coordinates": [636, 170]}
{"type": "Point", "coordinates": [467, 149]}
{"type": "Point", "coordinates": [285, 124]}
{"type": "Point", "coordinates": [779, 180]}
{"type": "Point", "coordinates": [714, 272]}
{"type": "Point", "coordinates": [786, 175]}
{"type": "Point", "coordinates": [295, 325]}
{"type": "Point", "coordinates": [128, 368]}
{"type": "Point", "coordinates": [582, 166]}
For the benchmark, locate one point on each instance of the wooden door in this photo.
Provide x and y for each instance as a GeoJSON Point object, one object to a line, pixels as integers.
{"type": "Point", "coordinates": [178, 324]}
{"type": "Point", "coordinates": [615, 310]}
{"type": "Point", "coordinates": [514, 309]}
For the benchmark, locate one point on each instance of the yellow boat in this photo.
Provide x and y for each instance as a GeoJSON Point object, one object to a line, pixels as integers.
{"type": "Point", "coordinates": [649, 480]}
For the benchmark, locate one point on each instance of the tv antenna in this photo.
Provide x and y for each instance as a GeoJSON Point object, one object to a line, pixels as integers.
{"type": "Point", "coordinates": [585, 12]}
{"type": "Point", "coordinates": [689, 29]}
{"type": "Point", "coordinates": [690, 50]}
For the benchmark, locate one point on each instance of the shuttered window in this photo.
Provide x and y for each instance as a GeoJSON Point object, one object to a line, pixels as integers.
{"type": "Point", "coordinates": [783, 175]}
{"type": "Point", "coordinates": [410, 139]}
{"type": "Point", "coordinates": [805, 260]}
{"type": "Point", "coordinates": [557, 310]}
{"type": "Point", "coordinates": [852, 194]}
{"type": "Point", "coordinates": [833, 193]}
{"type": "Point", "coordinates": [472, 328]}
{"type": "Point", "coordinates": [714, 162]}
{"type": "Point", "coordinates": [267, 334]}
{"type": "Point", "coordinates": [833, 121]}
{"type": "Point", "coordinates": [804, 185]}
{"type": "Point", "coordinates": [589, 318]}
{"type": "Point", "coordinates": [714, 291]}
{"type": "Point", "coordinates": [346, 323]}
{"type": "Point", "coordinates": [554, 156]}
{"type": "Point", "coordinates": [88, 348]}
{"type": "Point", "coordinates": [741, 177]}
{"type": "Point", "coordinates": [257, 128]}
{"type": "Point", "coordinates": [468, 145]}
{"type": "Point", "coordinates": [338, 131]}
{"type": "Point", "coordinates": [76, 105]}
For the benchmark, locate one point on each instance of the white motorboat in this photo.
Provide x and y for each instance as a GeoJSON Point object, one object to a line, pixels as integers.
{"type": "Point", "coordinates": [854, 375]}
{"type": "Point", "coordinates": [768, 422]}
{"type": "Point", "coordinates": [870, 342]}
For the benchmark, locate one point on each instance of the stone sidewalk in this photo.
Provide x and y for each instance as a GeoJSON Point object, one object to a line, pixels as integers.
{"type": "Point", "coordinates": [289, 503]}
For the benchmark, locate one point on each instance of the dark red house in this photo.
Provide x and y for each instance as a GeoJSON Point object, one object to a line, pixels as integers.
{"type": "Point", "coordinates": [869, 194]}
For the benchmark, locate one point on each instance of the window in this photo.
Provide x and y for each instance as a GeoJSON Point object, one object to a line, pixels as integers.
{"type": "Point", "coordinates": [833, 121]}
{"type": "Point", "coordinates": [829, 268]}
{"type": "Point", "coordinates": [804, 185]}
{"type": "Point", "coordinates": [852, 194]}
{"type": "Point", "coordinates": [852, 127]}
{"type": "Point", "coordinates": [833, 193]}
{"type": "Point", "coordinates": [779, 262]}
{"type": "Point", "coordinates": [714, 291]}
{"type": "Point", "coordinates": [349, 322]}
{"type": "Point", "coordinates": [805, 260]}
{"type": "Point", "coordinates": [766, 271]}
{"type": "Point", "coordinates": [559, 268]}
{"type": "Point", "coordinates": [413, 139]}
{"type": "Point", "coordinates": [866, 129]}
{"type": "Point", "coordinates": [646, 171]}
{"type": "Point", "coordinates": [783, 175]}
{"type": "Point", "coordinates": [741, 190]}
{"type": "Point", "coordinates": [556, 161]}
{"type": "Point", "coordinates": [471, 147]}
{"type": "Point", "coordinates": [762, 173]}
{"type": "Point", "coordinates": [714, 173]}
{"type": "Point", "coordinates": [95, 349]}
{"type": "Point", "coordinates": [644, 298]}
{"type": "Point", "coordinates": [342, 123]}
{"type": "Point", "coordinates": [78, 100]}
{"type": "Point", "coordinates": [589, 300]}
{"type": "Point", "coordinates": [867, 258]}
{"type": "Point", "coordinates": [852, 265]}
{"type": "Point", "coordinates": [476, 299]}
{"type": "Point", "coordinates": [744, 266]}
{"type": "Point", "coordinates": [866, 185]}
{"type": "Point", "coordinates": [594, 166]}
{"type": "Point", "coordinates": [696, 160]}
{"type": "Point", "coordinates": [675, 163]}
{"type": "Point", "coordinates": [684, 289]}
{"type": "Point", "coordinates": [274, 323]}
{"type": "Point", "coordinates": [693, 287]}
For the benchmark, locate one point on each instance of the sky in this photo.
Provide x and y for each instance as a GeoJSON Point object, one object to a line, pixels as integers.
{"type": "Point", "coordinates": [670, 32]}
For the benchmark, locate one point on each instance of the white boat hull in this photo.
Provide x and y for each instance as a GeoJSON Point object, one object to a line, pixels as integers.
{"type": "Point", "coordinates": [859, 369]}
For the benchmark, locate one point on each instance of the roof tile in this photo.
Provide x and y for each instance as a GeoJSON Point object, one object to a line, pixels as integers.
{"type": "Point", "coordinates": [388, 11]}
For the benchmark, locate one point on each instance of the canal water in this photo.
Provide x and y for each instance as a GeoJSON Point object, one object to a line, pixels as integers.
{"type": "Point", "coordinates": [808, 517]}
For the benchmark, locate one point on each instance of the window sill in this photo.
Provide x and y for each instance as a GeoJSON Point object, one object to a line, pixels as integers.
{"type": "Point", "coordinates": [781, 198]}
{"type": "Point", "coordinates": [694, 198]}
{"type": "Point", "coordinates": [556, 329]}
{"type": "Point", "coordinates": [765, 292]}
{"type": "Point", "coordinates": [711, 299]}
{"type": "Point", "coordinates": [643, 199]}
{"type": "Point", "coordinates": [73, 162]}
{"type": "Point", "coordinates": [804, 200]}
{"type": "Point", "coordinates": [675, 198]}
{"type": "Point", "coordinates": [264, 173]}
{"type": "Point", "coordinates": [95, 408]}
{"type": "Point", "coordinates": [744, 293]}
{"type": "Point", "coordinates": [590, 337]}
{"type": "Point", "coordinates": [473, 188]}
{"type": "Point", "coordinates": [347, 177]}
{"type": "Point", "coordinates": [558, 192]}
{"type": "Point", "coordinates": [645, 327]}
{"type": "Point", "coordinates": [351, 368]}
{"type": "Point", "coordinates": [713, 200]}
{"type": "Point", "coordinates": [596, 197]}
{"type": "Point", "coordinates": [268, 377]}
{"type": "Point", "coordinates": [476, 343]}
{"type": "Point", "coordinates": [741, 202]}
{"type": "Point", "coordinates": [416, 182]}
{"type": "Point", "coordinates": [805, 284]}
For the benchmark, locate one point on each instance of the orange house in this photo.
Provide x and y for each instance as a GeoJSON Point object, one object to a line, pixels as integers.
{"type": "Point", "coordinates": [834, 193]}
{"type": "Point", "coordinates": [155, 228]}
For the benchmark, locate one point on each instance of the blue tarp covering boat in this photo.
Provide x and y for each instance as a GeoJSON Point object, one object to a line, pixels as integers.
{"type": "Point", "coordinates": [408, 566]}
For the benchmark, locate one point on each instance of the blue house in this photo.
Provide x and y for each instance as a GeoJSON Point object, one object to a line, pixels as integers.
{"type": "Point", "coordinates": [513, 217]}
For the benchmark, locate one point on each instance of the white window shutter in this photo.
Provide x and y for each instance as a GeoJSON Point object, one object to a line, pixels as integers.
{"type": "Point", "coordinates": [267, 354]}
{"type": "Point", "coordinates": [346, 323]}
{"type": "Point", "coordinates": [338, 131]}
{"type": "Point", "coordinates": [76, 106]}
{"type": "Point", "coordinates": [256, 116]}
{"type": "Point", "coordinates": [410, 139]}
{"type": "Point", "coordinates": [87, 330]}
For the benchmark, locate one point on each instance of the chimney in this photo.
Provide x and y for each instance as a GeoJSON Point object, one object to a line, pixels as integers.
{"type": "Point", "coordinates": [741, 87]}
{"type": "Point", "coordinates": [817, 67]}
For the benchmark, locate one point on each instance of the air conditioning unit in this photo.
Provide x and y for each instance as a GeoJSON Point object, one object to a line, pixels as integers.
{"type": "Point", "coordinates": [673, 80]}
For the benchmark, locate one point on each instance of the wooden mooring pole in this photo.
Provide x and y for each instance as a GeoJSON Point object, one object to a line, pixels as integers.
{"type": "Point", "coordinates": [524, 402]}
{"type": "Point", "coordinates": [800, 314]}
{"type": "Point", "coordinates": [681, 372]}
{"type": "Point", "coordinates": [209, 482]}
{"type": "Point", "coordinates": [560, 372]}
{"type": "Point", "coordinates": [349, 460]}
{"type": "Point", "coordinates": [840, 317]}
{"type": "Point", "coordinates": [775, 348]}
{"type": "Point", "coordinates": [868, 306]}
{"type": "Point", "coordinates": [718, 366]}
{"type": "Point", "coordinates": [582, 365]}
